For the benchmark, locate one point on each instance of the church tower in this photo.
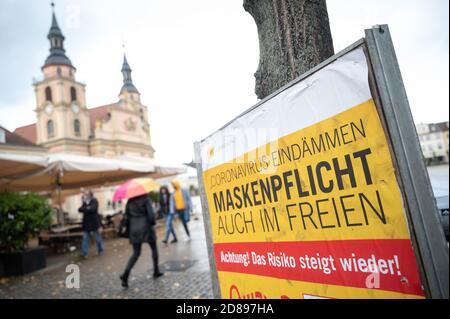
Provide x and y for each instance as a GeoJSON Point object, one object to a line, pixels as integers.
{"type": "Point", "coordinates": [128, 90]}
{"type": "Point", "coordinates": [124, 130]}
{"type": "Point", "coordinates": [63, 119]}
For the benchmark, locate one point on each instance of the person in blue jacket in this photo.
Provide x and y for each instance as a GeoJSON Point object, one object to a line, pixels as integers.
{"type": "Point", "coordinates": [181, 205]}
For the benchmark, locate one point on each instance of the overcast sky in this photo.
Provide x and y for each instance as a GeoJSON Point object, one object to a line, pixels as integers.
{"type": "Point", "coordinates": [193, 61]}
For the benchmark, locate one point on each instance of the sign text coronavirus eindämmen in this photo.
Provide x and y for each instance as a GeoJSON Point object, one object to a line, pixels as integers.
{"type": "Point", "coordinates": [312, 209]}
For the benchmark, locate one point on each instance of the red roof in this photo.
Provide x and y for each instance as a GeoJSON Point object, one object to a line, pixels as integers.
{"type": "Point", "coordinates": [27, 132]}
{"type": "Point", "coordinates": [98, 113]}
{"type": "Point", "coordinates": [15, 139]}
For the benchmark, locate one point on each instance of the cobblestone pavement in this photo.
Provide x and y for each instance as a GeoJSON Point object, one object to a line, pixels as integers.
{"type": "Point", "coordinates": [185, 265]}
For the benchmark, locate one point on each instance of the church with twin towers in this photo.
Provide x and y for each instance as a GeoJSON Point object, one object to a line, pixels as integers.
{"type": "Point", "coordinates": [65, 123]}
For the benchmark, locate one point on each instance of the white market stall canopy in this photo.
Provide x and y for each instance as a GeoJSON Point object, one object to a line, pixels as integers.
{"type": "Point", "coordinates": [45, 173]}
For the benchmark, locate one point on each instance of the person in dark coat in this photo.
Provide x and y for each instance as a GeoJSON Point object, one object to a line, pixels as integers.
{"type": "Point", "coordinates": [90, 223]}
{"type": "Point", "coordinates": [164, 200]}
{"type": "Point", "coordinates": [141, 225]}
{"type": "Point", "coordinates": [164, 203]}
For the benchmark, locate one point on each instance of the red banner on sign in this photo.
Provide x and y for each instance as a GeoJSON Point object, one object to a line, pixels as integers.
{"type": "Point", "coordinates": [375, 264]}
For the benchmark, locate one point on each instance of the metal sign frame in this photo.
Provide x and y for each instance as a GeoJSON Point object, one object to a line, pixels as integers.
{"type": "Point", "coordinates": [420, 205]}
{"type": "Point", "coordinates": [427, 233]}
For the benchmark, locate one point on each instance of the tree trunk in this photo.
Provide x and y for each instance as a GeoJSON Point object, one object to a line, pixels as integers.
{"type": "Point", "coordinates": [294, 36]}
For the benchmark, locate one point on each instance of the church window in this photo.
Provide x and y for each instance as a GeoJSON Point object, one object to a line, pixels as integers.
{"type": "Point", "coordinates": [48, 94]}
{"type": "Point", "coordinates": [76, 126]}
{"type": "Point", "coordinates": [73, 94]}
{"type": "Point", "coordinates": [50, 129]}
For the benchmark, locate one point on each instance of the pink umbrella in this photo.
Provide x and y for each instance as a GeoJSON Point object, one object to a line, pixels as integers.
{"type": "Point", "coordinates": [135, 187]}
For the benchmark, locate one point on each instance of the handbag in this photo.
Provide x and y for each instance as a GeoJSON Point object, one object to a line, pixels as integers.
{"type": "Point", "coordinates": [124, 227]}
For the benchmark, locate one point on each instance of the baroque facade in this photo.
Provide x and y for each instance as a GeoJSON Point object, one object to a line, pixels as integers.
{"type": "Point", "coordinates": [66, 125]}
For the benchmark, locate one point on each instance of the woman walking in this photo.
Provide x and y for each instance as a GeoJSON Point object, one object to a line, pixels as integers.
{"type": "Point", "coordinates": [141, 222]}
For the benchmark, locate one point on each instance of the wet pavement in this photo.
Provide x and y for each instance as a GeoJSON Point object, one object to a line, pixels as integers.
{"type": "Point", "coordinates": [185, 265]}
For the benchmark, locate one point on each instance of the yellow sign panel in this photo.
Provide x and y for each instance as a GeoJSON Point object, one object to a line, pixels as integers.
{"type": "Point", "coordinates": [317, 213]}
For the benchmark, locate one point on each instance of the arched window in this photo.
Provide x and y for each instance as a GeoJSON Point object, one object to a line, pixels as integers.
{"type": "Point", "coordinates": [50, 129]}
{"type": "Point", "coordinates": [48, 94]}
{"type": "Point", "coordinates": [73, 94]}
{"type": "Point", "coordinates": [76, 127]}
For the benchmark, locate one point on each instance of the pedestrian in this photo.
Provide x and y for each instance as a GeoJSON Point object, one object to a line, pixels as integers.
{"type": "Point", "coordinates": [181, 205]}
{"type": "Point", "coordinates": [164, 203]}
{"type": "Point", "coordinates": [91, 223]}
{"type": "Point", "coordinates": [141, 225]}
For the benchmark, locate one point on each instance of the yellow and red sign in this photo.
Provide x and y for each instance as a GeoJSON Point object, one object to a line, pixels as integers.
{"type": "Point", "coordinates": [313, 208]}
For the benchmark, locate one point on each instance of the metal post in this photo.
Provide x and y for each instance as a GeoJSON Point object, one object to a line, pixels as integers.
{"type": "Point", "coordinates": [58, 192]}
{"type": "Point", "coordinates": [207, 223]}
{"type": "Point", "coordinates": [421, 204]}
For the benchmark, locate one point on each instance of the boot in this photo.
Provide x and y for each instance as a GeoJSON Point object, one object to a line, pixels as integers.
{"type": "Point", "coordinates": [157, 273]}
{"type": "Point", "coordinates": [124, 279]}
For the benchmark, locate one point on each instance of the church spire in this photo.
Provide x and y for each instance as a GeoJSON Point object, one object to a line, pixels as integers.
{"type": "Point", "coordinates": [57, 53]}
{"type": "Point", "coordinates": [128, 85]}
